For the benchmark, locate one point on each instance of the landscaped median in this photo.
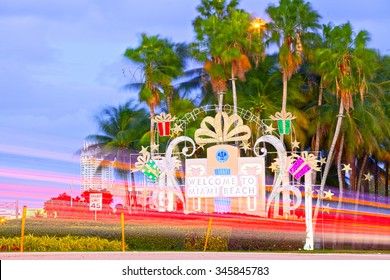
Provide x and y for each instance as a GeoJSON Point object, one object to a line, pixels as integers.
{"type": "Point", "coordinates": [45, 235]}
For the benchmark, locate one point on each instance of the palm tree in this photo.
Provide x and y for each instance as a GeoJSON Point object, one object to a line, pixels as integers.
{"type": "Point", "coordinates": [261, 88]}
{"type": "Point", "coordinates": [226, 39]}
{"type": "Point", "coordinates": [209, 25]}
{"type": "Point", "coordinates": [347, 63]}
{"type": "Point", "coordinates": [291, 24]}
{"type": "Point", "coordinates": [367, 129]}
{"type": "Point", "coordinates": [121, 128]}
{"type": "Point", "coordinates": [232, 46]}
{"type": "Point", "coordinates": [159, 61]}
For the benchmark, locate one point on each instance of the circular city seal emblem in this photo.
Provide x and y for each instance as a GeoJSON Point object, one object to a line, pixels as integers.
{"type": "Point", "coordinates": [222, 155]}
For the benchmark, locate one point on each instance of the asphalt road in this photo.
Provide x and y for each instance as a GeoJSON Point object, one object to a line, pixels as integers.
{"type": "Point", "coordinates": [187, 256]}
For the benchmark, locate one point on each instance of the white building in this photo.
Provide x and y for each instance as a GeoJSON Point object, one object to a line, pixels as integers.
{"type": "Point", "coordinates": [95, 174]}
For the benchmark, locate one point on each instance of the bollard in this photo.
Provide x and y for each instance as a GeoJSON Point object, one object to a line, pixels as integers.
{"type": "Point", "coordinates": [23, 225]}
{"type": "Point", "coordinates": [123, 231]}
{"type": "Point", "coordinates": [208, 234]}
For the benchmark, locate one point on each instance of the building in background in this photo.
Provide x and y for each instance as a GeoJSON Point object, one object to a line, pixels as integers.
{"type": "Point", "coordinates": [96, 173]}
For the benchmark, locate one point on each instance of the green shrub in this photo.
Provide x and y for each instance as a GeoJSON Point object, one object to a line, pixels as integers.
{"type": "Point", "coordinates": [141, 237]}
{"type": "Point", "coordinates": [63, 244]}
{"type": "Point", "coordinates": [218, 240]}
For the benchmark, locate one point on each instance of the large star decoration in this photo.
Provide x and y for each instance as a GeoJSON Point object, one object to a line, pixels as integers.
{"type": "Point", "coordinates": [295, 144]}
{"type": "Point", "coordinates": [322, 160]}
{"type": "Point", "coordinates": [368, 177]}
{"type": "Point", "coordinates": [144, 150]}
{"type": "Point", "coordinates": [177, 129]}
{"type": "Point", "coordinates": [274, 166]}
{"type": "Point", "coordinates": [269, 129]}
{"type": "Point", "coordinates": [245, 146]}
{"type": "Point", "coordinates": [347, 167]}
{"type": "Point", "coordinates": [200, 146]}
{"type": "Point", "coordinates": [328, 194]}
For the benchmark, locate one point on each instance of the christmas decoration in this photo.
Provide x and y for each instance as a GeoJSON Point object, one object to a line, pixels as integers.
{"type": "Point", "coordinates": [322, 160]}
{"type": "Point", "coordinates": [303, 164]}
{"type": "Point", "coordinates": [284, 121]}
{"type": "Point", "coordinates": [147, 166]}
{"type": "Point", "coordinates": [177, 129]}
{"type": "Point", "coordinates": [245, 146]}
{"type": "Point", "coordinates": [295, 144]}
{"type": "Point", "coordinates": [269, 129]}
{"type": "Point", "coordinates": [368, 177]}
{"type": "Point", "coordinates": [328, 194]}
{"type": "Point", "coordinates": [151, 170]}
{"type": "Point", "coordinates": [164, 123]}
{"type": "Point", "coordinates": [347, 167]}
{"type": "Point", "coordinates": [225, 129]}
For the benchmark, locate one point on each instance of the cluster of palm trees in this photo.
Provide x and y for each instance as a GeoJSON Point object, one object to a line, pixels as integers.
{"type": "Point", "coordinates": [325, 75]}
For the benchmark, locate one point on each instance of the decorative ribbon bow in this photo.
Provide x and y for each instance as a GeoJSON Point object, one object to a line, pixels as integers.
{"type": "Point", "coordinates": [164, 118]}
{"type": "Point", "coordinates": [282, 116]}
{"type": "Point", "coordinates": [225, 129]}
{"type": "Point", "coordinates": [310, 160]}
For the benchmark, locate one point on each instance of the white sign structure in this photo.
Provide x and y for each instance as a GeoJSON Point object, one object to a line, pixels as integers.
{"type": "Point", "coordinates": [222, 186]}
{"type": "Point", "coordinates": [95, 201]}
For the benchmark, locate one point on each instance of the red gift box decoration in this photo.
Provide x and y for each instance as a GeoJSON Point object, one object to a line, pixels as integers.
{"type": "Point", "coordinates": [164, 128]}
{"type": "Point", "coordinates": [164, 123]}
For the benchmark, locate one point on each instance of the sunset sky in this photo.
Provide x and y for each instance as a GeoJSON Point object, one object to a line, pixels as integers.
{"type": "Point", "coordinates": [62, 62]}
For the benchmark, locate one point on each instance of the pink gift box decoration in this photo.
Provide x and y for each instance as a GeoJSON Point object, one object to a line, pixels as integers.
{"type": "Point", "coordinates": [299, 168]}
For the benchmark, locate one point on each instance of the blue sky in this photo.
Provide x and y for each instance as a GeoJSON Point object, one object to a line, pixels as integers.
{"type": "Point", "coordinates": [61, 63]}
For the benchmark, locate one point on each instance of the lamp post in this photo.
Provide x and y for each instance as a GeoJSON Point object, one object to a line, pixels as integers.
{"type": "Point", "coordinates": [258, 26]}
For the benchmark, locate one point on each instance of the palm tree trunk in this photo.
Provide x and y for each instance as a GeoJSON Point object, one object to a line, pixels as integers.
{"type": "Point", "coordinates": [360, 175]}
{"type": "Point", "coordinates": [123, 174]}
{"type": "Point", "coordinates": [357, 196]}
{"type": "Point", "coordinates": [318, 130]}
{"type": "Point", "coordinates": [284, 100]}
{"type": "Point", "coordinates": [341, 190]}
{"type": "Point", "coordinates": [376, 178]}
{"type": "Point", "coordinates": [329, 161]}
{"type": "Point", "coordinates": [387, 180]}
{"type": "Point", "coordinates": [168, 98]}
{"type": "Point", "coordinates": [353, 161]}
{"type": "Point", "coordinates": [220, 101]}
{"type": "Point", "coordinates": [151, 125]}
{"type": "Point", "coordinates": [234, 92]}
{"type": "Point", "coordinates": [339, 157]}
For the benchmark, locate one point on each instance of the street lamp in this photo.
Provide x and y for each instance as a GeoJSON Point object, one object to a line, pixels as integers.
{"type": "Point", "coordinates": [257, 27]}
{"type": "Point", "coordinates": [258, 24]}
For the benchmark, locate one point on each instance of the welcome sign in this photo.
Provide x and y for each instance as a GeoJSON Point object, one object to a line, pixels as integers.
{"type": "Point", "coordinates": [225, 182]}
{"type": "Point", "coordinates": [222, 186]}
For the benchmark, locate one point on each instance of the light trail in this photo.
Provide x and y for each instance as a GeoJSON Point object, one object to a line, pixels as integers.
{"type": "Point", "coordinates": [37, 175]}
{"type": "Point", "coordinates": [37, 153]}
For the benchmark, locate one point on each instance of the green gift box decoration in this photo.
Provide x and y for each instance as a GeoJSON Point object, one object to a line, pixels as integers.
{"type": "Point", "coordinates": [151, 170]}
{"type": "Point", "coordinates": [284, 126]}
{"type": "Point", "coordinates": [284, 121]}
